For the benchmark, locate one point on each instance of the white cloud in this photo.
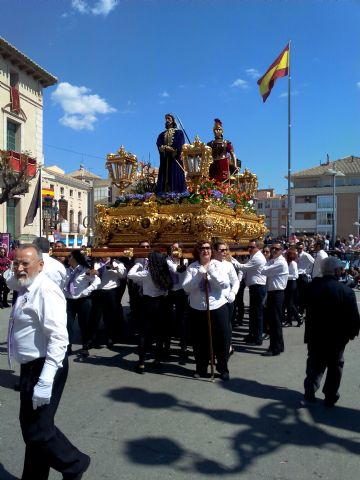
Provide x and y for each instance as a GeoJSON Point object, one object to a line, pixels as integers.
{"type": "Point", "coordinates": [239, 83]}
{"type": "Point", "coordinates": [164, 94]}
{"type": "Point", "coordinates": [130, 108]}
{"type": "Point", "coordinates": [285, 94]}
{"type": "Point", "coordinates": [358, 84]}
{"type": "Point", "coordinates": [253, 73]}
{"type": "Point", "coordinates": [97, 7]}
{"type": "Point", "coordinates": [80, 108]}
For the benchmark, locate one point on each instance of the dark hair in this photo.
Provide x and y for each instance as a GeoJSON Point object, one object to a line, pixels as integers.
{"type": "Point", "coordinates": [290, 255]}
{"type": "Point", "coordinates": [42, 243]}
{"type": "Point", "coordinates": [173, 119]}
{"type": "Point", "coordinates": [159, 271]}
{"type": "Point", "coordinates": [197, 249]}
{"type": "Point", "coordinates": [79, 258]}
{"type": "Point", "coordinates": [320, 243]}
{"type": "Point", "coordinates": [256, 241]}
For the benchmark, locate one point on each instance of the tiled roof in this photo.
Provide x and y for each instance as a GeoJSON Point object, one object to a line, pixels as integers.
{"type": "Point", "coordinates": [23, 62]}
{"type": "Point", "coordinates": [82, 173]}
{"type": "Point", "coordinates": [348, 165]}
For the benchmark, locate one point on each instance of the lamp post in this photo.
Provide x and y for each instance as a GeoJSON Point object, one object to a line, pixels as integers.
{"type": "Point", "coordinates": [334, 173]}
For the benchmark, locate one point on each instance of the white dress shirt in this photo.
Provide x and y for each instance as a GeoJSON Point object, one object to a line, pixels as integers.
{"type": "Point", "coordinates": [55, 270]}
{"type": "Point", "coordinates": [83, 283]}
{"type": "Point", "coordinates": [178, 277]}
{"type": "Point", "coordinates": [231, 291]}
{"type": "Point", "coordinates": [38, 326]}
{"type": "Point", "coordinates": [319, 256]}
{"type": "Point", "coordinates": [194, 285]}
{"type": "Point", "coordinates": [305, 263]}
{"type": "Point", "coordinates": [110, 277]}
{"type": "Point", "coordinates": [277, 271]}
{"type": "Point", "coordinates": [293, 271]}
{"type": "Point", "coordinates": [141, 276]}
{"type": "Point", "coordinates": [253, 268]}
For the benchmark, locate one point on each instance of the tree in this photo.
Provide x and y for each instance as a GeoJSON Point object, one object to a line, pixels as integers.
{"type": "Point", "coordinates": [16, 171]}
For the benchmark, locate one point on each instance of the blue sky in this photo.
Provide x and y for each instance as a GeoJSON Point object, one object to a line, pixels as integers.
{"type": "Point", "coordinates": [123, 64]}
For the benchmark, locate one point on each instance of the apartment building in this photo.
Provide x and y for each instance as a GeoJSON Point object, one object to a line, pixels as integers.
{"type": "Point", "coordinates": [274, 207]}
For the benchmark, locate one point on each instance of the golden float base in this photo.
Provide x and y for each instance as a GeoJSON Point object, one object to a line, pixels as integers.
{"type": "Point", "coordinates": [165, 224]}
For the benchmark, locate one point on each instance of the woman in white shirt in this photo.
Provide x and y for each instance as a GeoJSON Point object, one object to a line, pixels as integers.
{"type": "Point", "coordinates": [205, 269]}
{"type": "Point", "coordinates": [155, 279]}
{"type": "Point", "coordinates": [78, 286]}
{"type": "Point", "coordinates": [291, 294]}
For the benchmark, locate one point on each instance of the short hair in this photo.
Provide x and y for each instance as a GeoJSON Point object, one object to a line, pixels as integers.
{"type": "Point", "coordinates": [42, 243]}
{"type": "Point", "coordinates": [330, 265]}
{"type": "Point", "coordinates": [256, 241]}
{"type": "Point", "coordinates": [216, 244]}
{"type": "Point", "coordinates": [320, 243]}
{"type": "Point", "coordinates": [79, 258]}
{"type": "Point", "coordinates": [38, 252]}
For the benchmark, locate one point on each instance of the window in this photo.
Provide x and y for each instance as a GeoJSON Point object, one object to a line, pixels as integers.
{"type": "Point", "coordinates": [305, 215]}
{"type": "Point", "coordinates": [80, 220]}
{"type": "Point", "coordinates": [71, 193]}
{"type": "Point", "coordinates": [325, 201]}
{"type": "Point", "coordinates": [305, 199]}
{"type": "Point", "coordinates": [260, 205]}
{"type": "Point", "coordinates": [51, 186]}
{"type": "Point", "coordinates": [13, 136]}
{"type": "Point", "coordinates": [324, 218]}
{"type": "Point", "coordinates": [61, 190]}
{"type": "Point", "coordinates": [79, 197]}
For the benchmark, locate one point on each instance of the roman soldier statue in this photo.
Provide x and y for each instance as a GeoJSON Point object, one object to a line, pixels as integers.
{"type": "Point", "coordinates": [224, 158]}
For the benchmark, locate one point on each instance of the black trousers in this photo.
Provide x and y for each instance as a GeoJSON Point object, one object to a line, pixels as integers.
{"type": "Point", "coordinates": [153, 326]}
{"type": "Point", "coordinates": [290, 302]}
{"type": "Point", "coordinates": [46, 446]}
{"type": "Point", "coordinates": [239, 304]}
{"type": "Point", "coordinates": [319, 359]}
{"type": "Point", "coordinates": [82, 308]}
{"type": "Point", "coordinates": [302, 285]}
{"type": "Point", "coordinates": [257, 294]}
{"type": "Point", "coordinates": [178, 306]}
{"type": "Point", "coordinates": [275, 313]}
{"type": "Point", "coordinates": [221, 338]}
{"type": "Point", "coordinates": [106, 305]}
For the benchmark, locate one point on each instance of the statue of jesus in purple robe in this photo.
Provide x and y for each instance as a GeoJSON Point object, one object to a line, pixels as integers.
{"type": "Point", "coordinates": [171, 177]}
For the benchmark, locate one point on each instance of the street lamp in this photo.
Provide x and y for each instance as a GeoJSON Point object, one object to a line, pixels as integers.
{"type": "Point", "coordinates": [334, 173]}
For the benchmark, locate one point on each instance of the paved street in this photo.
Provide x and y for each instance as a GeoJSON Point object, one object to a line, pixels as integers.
{"type": "Point", "coordinates": [164, 425]}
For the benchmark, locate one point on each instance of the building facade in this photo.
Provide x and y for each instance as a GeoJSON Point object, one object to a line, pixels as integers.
{"type": "Point", "coordinates": [274, 207]}
{"type": "Point", "coordinates": [326, 194]}
{"type": "Point", "coordinates": [21, 126]}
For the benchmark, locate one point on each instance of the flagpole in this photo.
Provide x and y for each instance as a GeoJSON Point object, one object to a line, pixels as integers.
{"type": "Point", "coordinates": [40, 201]}
{"type": "Point", "coordinates": [288, 224]}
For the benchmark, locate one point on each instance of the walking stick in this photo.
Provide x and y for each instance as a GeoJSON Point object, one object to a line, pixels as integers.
{"type": "Point", "coordinates": [209, 328]}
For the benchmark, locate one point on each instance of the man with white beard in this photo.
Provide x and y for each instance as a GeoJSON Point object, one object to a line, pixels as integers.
{"type": "Point", "coordinates": [38, 340]}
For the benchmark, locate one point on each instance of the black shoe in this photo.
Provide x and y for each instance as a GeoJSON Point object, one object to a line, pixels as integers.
{"type": "Point", "coordinates": [225, 376]}
{"type": "Point", "coordinates": [84, 352]}
{"type": "Point", "coordinates": [6, 305]}
{"type": "Point", "coordinates": [249, 339]}
{"type": "Point", "coordinates": [156, 364]}
{"type": "Point", "coordinates": [110, 343]}
{"type": "Point", "coordinates": [270, 353]}
{"type": "Point", "coordinates": [200, 375]}
{"type": "Point", "coordinates": [139, 368]}
{"type": "Point", "coordinates": [79, 475]}
{"type": "Point", "coordinates": [330, 401]}
{"type": "Point", "coordinates": [69, 350]}
{"type": "Point", "coordinates": [309, 397]}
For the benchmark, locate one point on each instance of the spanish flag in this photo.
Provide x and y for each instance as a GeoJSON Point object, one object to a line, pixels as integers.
{"type": "Point", "coordinates": [278, 69]}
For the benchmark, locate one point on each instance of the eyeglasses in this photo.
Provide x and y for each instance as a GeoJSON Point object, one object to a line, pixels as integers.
{"type": "Point", "coordinates": [205, 248]}
{"type": "Point", "coordinates": [275, 248]}
{"type": "Point", "coordinates": [251, 247]}
{"type": "Point", "coordinates": [222, 250]}
{"type": "Point", "coordinates": [16, 264]}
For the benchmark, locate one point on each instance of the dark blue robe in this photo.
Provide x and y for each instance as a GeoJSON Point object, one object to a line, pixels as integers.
{"type": "Point", "coordinates": [171, 177]}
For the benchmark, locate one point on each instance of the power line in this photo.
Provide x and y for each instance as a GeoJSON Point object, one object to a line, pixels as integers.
{"type": "Point", "coordinates": [73, 151]}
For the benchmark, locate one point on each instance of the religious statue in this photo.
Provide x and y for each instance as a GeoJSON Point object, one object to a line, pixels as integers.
{"type": "Point", "coordinates": [224, 158]}
{"type": "Point", "coordinates": [171, 177]}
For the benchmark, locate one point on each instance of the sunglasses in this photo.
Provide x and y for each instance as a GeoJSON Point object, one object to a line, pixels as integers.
{"type": "Point", "coordinates": [275, 248]}
{"type": "Point", "coordinates": [222, 250]}
{"type": "Point", "coordinates": [205, 248]}
{"type": "Point", "coordinates": [266, 251]}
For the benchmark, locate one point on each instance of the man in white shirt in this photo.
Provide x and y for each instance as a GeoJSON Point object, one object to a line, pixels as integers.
{"type": "Point", "coordinates": [54, 269]}
{"type": "Point", "coordinates": [320, 254]}
{"type": "Point", "coordinates": [256, 282]}
{"type": "Point", "coordinates": [37, 340]}
{"type": "Point", "coordinates": [305, 264]}
{"type": "Point", "coordinates": [276, 270]}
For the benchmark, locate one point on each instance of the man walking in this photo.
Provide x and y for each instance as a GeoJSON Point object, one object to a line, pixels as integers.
{"type": "Point", "coordinates": [276, 270]}
{"type": "Point", "coordinates": [37, 340]}
{"type": "Point", "coordinates": [256, 282]}
{"type": "Point", "coordinates": [332, 319]}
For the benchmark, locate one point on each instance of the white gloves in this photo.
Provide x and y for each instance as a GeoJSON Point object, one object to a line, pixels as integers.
{"type": "Point", "coordinates": [231, 297]}
{"type": "Point", "coordinates": [42, 393]}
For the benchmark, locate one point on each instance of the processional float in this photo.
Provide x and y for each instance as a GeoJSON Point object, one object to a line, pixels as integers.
{"type": "Point", "coordinates": [206, 210]}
